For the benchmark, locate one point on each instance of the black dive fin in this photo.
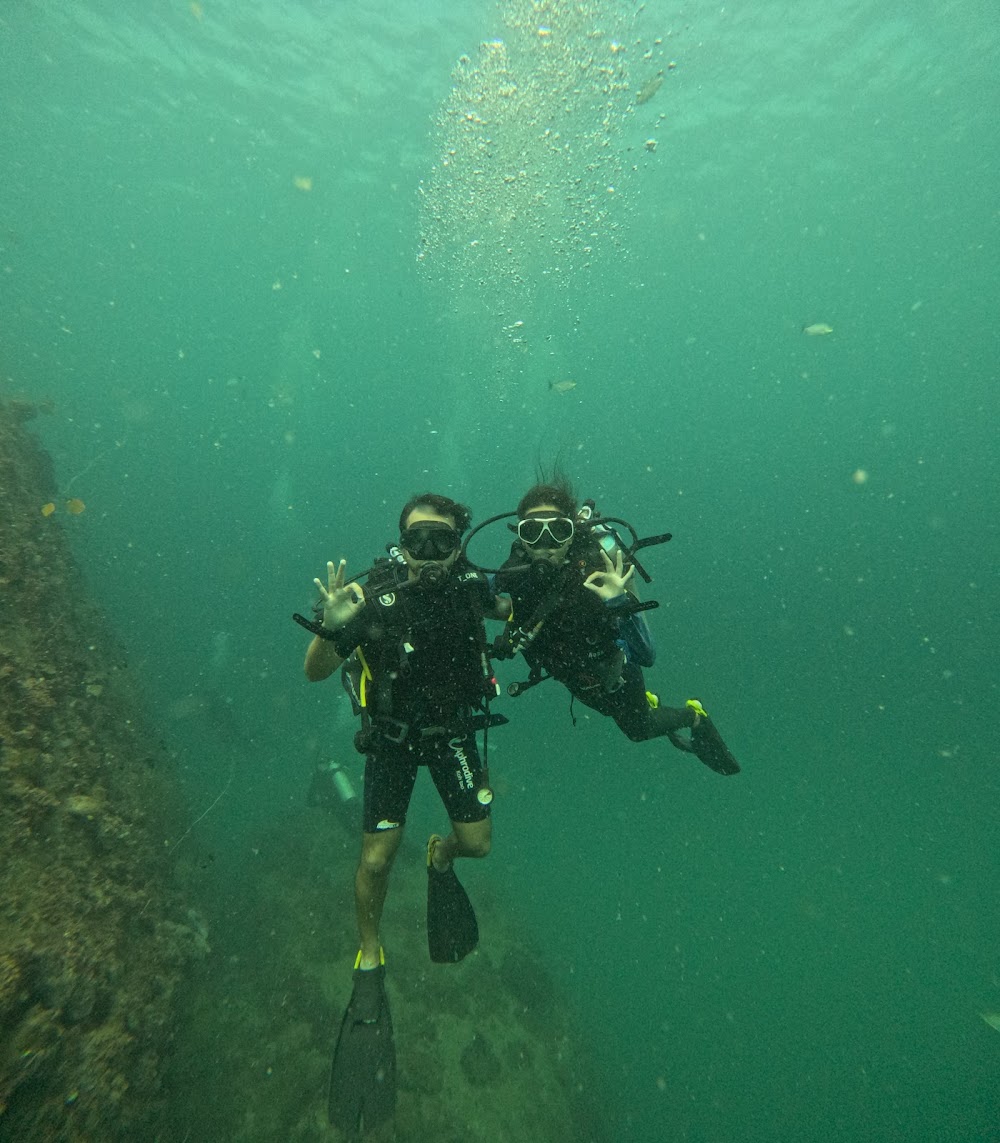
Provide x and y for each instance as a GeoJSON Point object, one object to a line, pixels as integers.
{"type": "Point", "coordinates": [708, 747]}
{"type": "Point", "coordinates": [706, 743]}
{"type": "Point", "coordinates": [452, 929]}
{"type": "Point", "coordinates": [363, 1077]}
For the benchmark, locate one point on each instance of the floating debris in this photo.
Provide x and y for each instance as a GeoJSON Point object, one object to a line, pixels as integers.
{"type": "Point", "coordinates": [817, 329]}
{"type": "Point", "coordinates": [649, 89]}
{"type": "Point", "coordinates": [562, 386]}
{"type": "Point", "coordinates": [992, 1018]}
{"type": "Point", "coordinates": [73, 506]}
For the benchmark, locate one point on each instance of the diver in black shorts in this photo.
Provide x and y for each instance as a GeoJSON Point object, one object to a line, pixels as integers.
{"type": "Point", "coordinates": [418, 675]}
{"type": "Point", "coordinates": [413, 647]}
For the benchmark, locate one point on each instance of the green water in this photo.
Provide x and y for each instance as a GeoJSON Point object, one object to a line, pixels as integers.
{"type": "Point", "coordinates": [250, 375]}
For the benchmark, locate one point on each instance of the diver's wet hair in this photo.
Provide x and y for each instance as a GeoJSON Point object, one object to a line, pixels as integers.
{"type": "Point", "coordinates": [442, 505]}
{"type": "Point", "coordinates": [555, 489]}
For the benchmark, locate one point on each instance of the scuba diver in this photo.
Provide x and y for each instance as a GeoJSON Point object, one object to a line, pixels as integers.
{"type": "Point", "coordinates": [412, 647]}
{"type": "Point", "coordinates": [575, 617]}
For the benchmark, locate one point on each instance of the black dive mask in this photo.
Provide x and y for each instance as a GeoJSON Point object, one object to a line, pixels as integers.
{"type": "Point", "coordinates": [429, 541]}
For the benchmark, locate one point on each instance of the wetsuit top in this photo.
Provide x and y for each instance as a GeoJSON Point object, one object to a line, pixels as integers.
{"type": "Point", "coordinates": [423, 645]}
{"type": "Point", "coordinates": [581, 631]}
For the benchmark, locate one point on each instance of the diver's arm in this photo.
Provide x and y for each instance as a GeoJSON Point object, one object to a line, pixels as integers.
{"type": "Point", "coordinates": [322, 659]}
{"type": "Point", "coordinates": [616, 588]}
{"type": "Point", "coordinates": [341, 603]}
{"type": "Point", "coordinates": [496, 606]}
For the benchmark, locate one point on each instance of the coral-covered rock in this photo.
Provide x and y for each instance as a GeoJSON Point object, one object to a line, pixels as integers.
{"type": "Point", "coordinates": [86, 993]}
{"type": "Point", "coordinates": [480, 1065]}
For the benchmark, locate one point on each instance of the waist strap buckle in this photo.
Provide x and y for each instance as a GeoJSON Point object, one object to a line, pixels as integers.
{"type": "Point", "coordinates": [391, 729]}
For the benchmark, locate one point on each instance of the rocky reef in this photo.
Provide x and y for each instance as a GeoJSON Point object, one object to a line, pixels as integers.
{"type": "Point", "coordinates": [92, 938]}
{"type": "Point", "coordinates": [487, 1050]}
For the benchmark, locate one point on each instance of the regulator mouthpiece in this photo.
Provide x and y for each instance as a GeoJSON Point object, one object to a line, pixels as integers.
{"type": "Point", "coordinates": [432, 575]}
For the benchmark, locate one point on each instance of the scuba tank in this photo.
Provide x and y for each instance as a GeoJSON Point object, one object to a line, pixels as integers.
{"type": "Point", "coordinates": [331, 786]}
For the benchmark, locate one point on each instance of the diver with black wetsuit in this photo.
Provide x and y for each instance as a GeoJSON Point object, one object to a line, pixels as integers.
{"type": "Point", "coordinates": [412, 644]}
{"type": "Point", "coordinates": [575, 617]}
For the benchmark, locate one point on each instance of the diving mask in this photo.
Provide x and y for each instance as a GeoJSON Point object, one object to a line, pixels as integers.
{"type": "Point", "coordinates": [545, 531]}
{"type": "Point", "coordinates": [429, 541]}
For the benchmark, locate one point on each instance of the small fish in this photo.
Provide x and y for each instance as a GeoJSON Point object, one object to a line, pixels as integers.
{"type": "Point", "coordinates": [649, 89]}
{"type": "Point", "coordinates": [817, 329]}
{"type": "Point", "coordinates": [562, 386]}
{"type": "Point", "coordinates": [992, 1018]}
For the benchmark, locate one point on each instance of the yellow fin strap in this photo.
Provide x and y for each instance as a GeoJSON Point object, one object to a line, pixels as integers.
{"type": "Point", "coordinates": [699, 710]}
{"type": "Point", "coordinates": [653, 700]}
{"type": "Point", "coordinates": [381, 957]}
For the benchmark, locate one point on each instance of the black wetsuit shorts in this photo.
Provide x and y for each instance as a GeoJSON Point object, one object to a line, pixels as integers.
{"type": "Point", "coordinates": [391, 771]}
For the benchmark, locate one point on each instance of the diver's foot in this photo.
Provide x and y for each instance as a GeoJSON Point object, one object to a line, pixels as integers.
{"type": "Point", "coordinates": [367, 961]}
{"type": "Point", "coordinates": [706, 742]}
{"type": "Point", "coordinates": [436, 856]}
{"type": "Point", "coordinates": [698, 712]}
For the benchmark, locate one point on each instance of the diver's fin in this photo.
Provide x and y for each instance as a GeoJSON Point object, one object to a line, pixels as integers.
{"type": "Point", "coordinates": [452, 929]}
{"type": "Point", "coordinates": [363, 1077]}
{"type": "Point", "coordinates": [706, 742]}
{"type": "Point", "coordinates": [709, 748]}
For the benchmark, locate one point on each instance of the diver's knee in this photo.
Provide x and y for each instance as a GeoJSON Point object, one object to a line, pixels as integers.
{"type": "Point", "coordinates": [374, 867]}
{"type": "Point", "coordinates": [474, 841]}
{"type": "Point", "coordinates": [636, 732]}
{"type": "Point", "coordinates": [479, 847]}
{"type": "Point", "coordinates": [376, 860]}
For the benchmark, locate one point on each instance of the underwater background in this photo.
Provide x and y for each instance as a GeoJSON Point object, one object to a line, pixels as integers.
{"type": "Point", "coordinates": [276, 266]}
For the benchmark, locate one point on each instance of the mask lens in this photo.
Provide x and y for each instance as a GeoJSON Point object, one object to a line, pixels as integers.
{"type": "Point", "coordinates": [529, 531]}
{"type": "Point", "coordinates": [561, 530]}
{"type": "Point", "coordinates": [429, 543]}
